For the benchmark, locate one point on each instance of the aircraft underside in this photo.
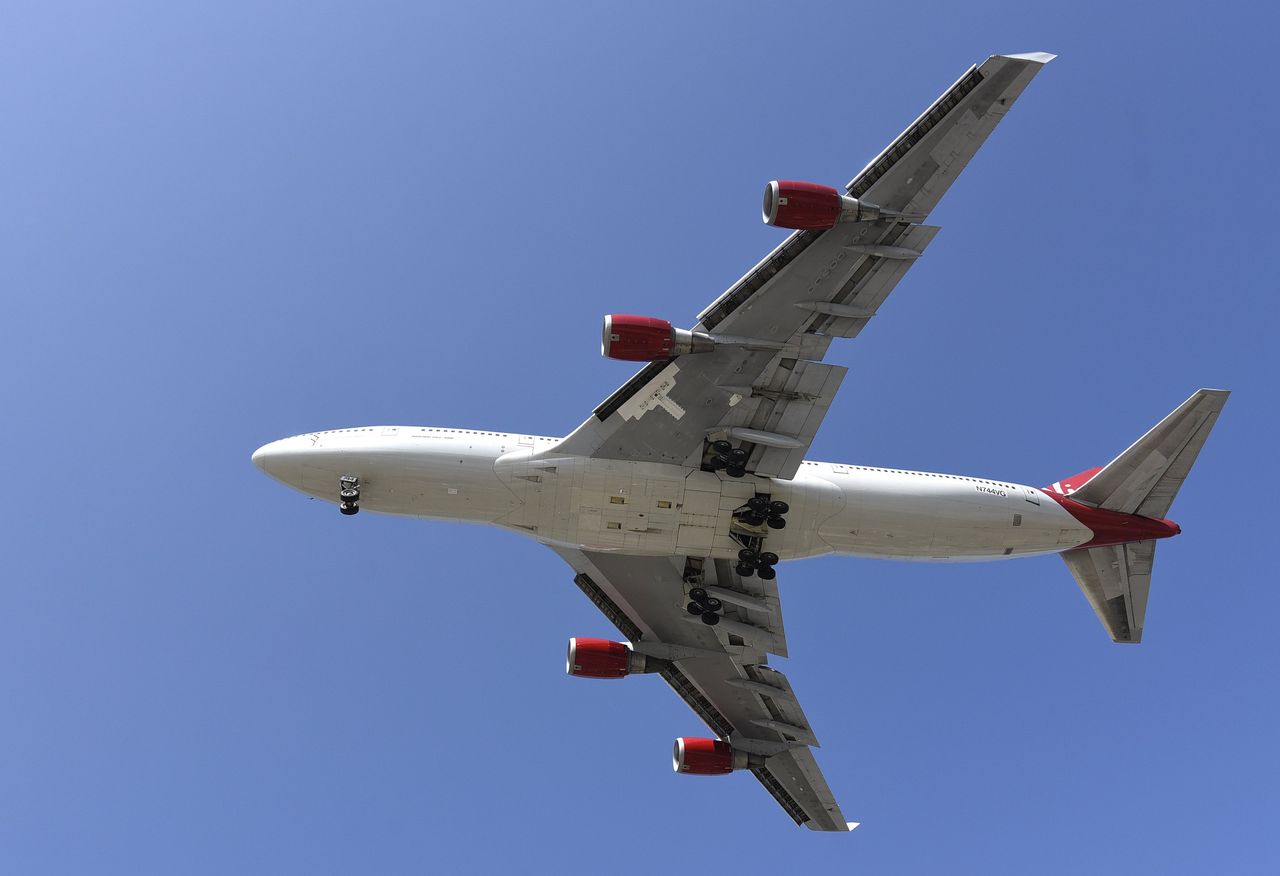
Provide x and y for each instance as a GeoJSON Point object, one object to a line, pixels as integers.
{"type": "Point", "coordinates": [677, 496]}
{"type": "Point", "coordinates": [651, 509]}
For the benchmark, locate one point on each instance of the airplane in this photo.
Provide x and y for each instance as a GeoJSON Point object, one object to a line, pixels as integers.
{"type": "Point", "coordinates": [677, 498]}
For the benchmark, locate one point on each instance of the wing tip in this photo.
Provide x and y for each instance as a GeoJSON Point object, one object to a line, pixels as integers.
{"type": "Point", "coordinates": [1034, 57]}
{"type": "Point", "coordinates": [833, 826]}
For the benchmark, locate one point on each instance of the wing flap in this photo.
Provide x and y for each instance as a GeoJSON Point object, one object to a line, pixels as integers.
{"type": "Point", "coordinates": [798, 400]}
{"type": "Point", "coordinates": [866, 292]}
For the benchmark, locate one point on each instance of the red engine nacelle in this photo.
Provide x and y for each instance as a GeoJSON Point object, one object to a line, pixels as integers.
{"type": "Point", "coordinates": [792, 204]}
{"type": "Point", "coordinates": [600, 658]}
{"type": "Point", "coordinates": [637, 338]}
{"type": "Point", "coordinates": [648, 339]}
{"type": "Point", "coordinates": [705, 757]}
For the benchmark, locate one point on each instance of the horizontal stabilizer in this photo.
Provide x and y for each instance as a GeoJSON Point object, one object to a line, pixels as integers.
{"type": "Point", "coordinates": [1144, 479]}
{"type": "Point", "coordinates": [1116, 580]}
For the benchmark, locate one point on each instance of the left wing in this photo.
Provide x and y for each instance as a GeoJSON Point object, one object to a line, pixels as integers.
{"type": "Point", "coordinates": [767, 390]}
{"type": "Point", "coordinates": [721, 671]}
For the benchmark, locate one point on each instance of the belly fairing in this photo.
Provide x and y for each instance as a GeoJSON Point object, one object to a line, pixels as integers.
{"type": "Point", "coordinates": [654, 509]}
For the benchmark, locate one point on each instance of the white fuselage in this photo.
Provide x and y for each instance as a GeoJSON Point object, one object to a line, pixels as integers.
{"type": "Point", "coordinates": [520, 483]}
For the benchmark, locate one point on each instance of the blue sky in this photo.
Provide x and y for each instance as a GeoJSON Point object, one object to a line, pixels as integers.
{"type": "Point", "coordinates": [232, 222]}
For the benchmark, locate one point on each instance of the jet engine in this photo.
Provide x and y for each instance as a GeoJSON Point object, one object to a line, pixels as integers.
{"type": "Point", "coordinates": [710, 757]}
{"type": "Point", "coordinates": [648, 339]}
{"type": "Point", "coordinates": [600, 658]}
{"type": "Point", "coordinates": [792, 204]}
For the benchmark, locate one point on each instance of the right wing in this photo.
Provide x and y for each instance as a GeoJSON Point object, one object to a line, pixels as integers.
{"type": "Point", "coordinates": [721, 672]}
{"type": "Point", "coordinates": [816, 286]}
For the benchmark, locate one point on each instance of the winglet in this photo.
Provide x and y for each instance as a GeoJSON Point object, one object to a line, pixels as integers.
{"type": "Point", "coordinates": [852, 824]}
{"type": "Point", "coordinates": [1038, 57]}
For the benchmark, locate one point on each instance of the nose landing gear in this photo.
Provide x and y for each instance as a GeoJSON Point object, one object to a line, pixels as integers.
{"type": "Point", "coordinates": [349, 495]}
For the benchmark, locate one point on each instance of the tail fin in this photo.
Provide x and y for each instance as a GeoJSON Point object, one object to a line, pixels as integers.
{"type": "Point", "coordinates": [1143, 480]}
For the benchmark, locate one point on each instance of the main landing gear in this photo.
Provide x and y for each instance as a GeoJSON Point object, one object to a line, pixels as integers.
{"type": "Point", "coordinates": [727, 458]}
{"type": "Point", "coordinates": [349, 495]}
{"type": "Point", "coordinates": [759, 511]}
{"type": "Point", "coordinates": [701, 603]}
{"type": "Point", "coordinates": [751, 525]}
{"type": "Point", "coordinates": [754, 562]}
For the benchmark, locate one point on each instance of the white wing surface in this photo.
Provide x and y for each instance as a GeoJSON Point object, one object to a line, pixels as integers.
{"type": "Point", "coordinates": [769, 394]}
{"type": "Point", "coordinates": [721, 671]}
{"type": "Point", "coordinates": [817, 285]}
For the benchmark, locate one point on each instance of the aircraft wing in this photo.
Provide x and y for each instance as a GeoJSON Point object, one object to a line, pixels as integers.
{"type": "Point", "coordinates": [770, 398]}
{"type": "Point", "coordinates": [721, 671]}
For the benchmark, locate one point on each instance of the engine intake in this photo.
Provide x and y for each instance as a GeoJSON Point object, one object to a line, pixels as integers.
{"type": "Point", "coordinates": [648, 339]}
{"type": "Point", "coordinates": [805, 205]}
{"type": "Point", "coordinates": [710, 757]}
{"type": "Point", "coordinates": [600, 658]}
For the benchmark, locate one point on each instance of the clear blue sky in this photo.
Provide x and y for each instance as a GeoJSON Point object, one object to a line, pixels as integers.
{"type": "Point", "coordinates": [228, 223]}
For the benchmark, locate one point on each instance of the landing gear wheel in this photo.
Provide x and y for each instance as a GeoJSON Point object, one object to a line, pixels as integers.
{"type": "Point", "coordinates": [348, 509]}
{"type": "Point", "coordinates": [710, 618]}
{"type": "Point", "coordinates": [747, 555]}
{"type": "Point", "coordinates": [712, 604]}
{"type": "Point", "coordinates": [777, 523]}
{"type": "Point", "coordinates": [349, 496]}
{"type": "Point", "coordinates": [767, 573]}
{"type": "Point", "coordinates": [718, 463]}
{"type": "Point", "coordinates": [768, 558]}
{"type": "Point", "coordinates": [758, 504]}
{"type": "Point", "coordinates": [698, 594]}
{"type": "Point", "coordinates": [695, 608]}
{"type": "Point", "coordinates": [737, 454]}
{"type": "Point", "coordinates": [777, 509]}
{"type": "Point", "coordinates": [746, 570]}
{"type": "Point", "coordinates": [721, 447]}
{"type": "Point", "coordinates": [735, 471]}
{"type": "Point", "coordinates": [752, 519]}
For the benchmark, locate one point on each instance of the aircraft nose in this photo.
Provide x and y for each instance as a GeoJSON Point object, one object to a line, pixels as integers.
{"type": "Point", "coordinates": [275, 457]}
{"type": "Point", "coordinates": [291, 461]}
